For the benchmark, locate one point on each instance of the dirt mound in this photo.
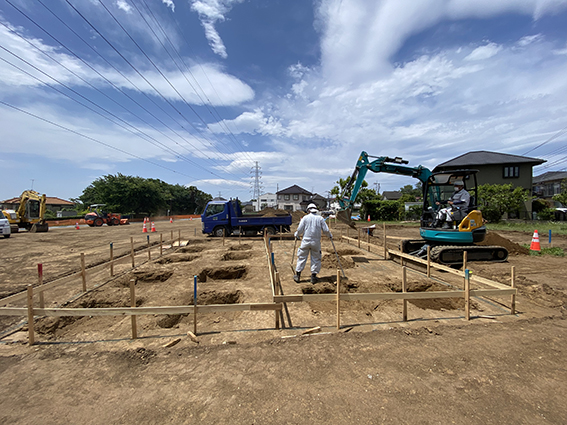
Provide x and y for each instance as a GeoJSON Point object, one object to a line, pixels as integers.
{"type": "Point", "coordinates": [231, 272]}
{"type": "Point", "coordinates": [272, 212]}
{"type": "Point", "coordinates": [236, 256]}
{"type": "Point", "coordinates": [329, 261]}
{"type": "Point", "coordinates": [344, 251]}
{"type": "Point", "coordinates": [296, 216]}
{"type": "Point", "coordinates": [176, 258]}
{"type": "Point", "coordinates": [494, 239]}
{"type": "Point", "coordinates": [319, 288]}
{"type": "Point", "coordinates": [243, 247]}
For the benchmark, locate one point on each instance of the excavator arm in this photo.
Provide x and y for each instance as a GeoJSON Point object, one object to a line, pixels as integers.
{"type": "Point", "coordinates": [381, 164]}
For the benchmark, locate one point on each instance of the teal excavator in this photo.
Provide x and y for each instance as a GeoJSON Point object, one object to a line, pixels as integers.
{"type": "Point", "coordinates": [447, 243]}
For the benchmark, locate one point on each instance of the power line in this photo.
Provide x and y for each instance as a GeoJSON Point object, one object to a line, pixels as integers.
{"type": "Point", "coordinates": [556, 135]}
{"type": "Point", "coordinates": [95, 140]}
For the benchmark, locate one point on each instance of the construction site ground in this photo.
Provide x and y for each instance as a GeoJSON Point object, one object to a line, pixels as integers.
{"type": "Point", "coordinates": [435, 368]}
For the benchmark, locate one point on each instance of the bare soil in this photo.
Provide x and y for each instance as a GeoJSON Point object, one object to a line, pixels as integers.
{"type": "Point", "coordinates": [435, 368]}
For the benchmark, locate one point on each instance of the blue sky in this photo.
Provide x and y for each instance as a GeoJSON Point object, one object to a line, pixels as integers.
{"type": "Point", "coordinates": [195, 92]}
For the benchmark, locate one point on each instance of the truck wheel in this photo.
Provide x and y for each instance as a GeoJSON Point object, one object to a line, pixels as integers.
{"type": "Point", "coordinates": [270, 230]}
{"type": "Point", "coordinates": [98, 222]}
{"type": "Point", "coordinates": [218, 231]}
{"type": "Point", "coordinates": [115, 222]}
{"type": "Point", "coordinates": [6, 236]}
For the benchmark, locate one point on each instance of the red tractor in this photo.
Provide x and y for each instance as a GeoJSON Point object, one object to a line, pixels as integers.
{"type": "Point", "coordinates": [97, 217]}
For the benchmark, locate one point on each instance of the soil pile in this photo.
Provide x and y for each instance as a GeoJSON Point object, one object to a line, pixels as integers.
{"type": "Point", "coordinates": [272, 212]}
{"type": "Point", "coordinates": [494, 239]}
{"type": "Point", "coordinates": [329, 261]}
{"type": "Point", "coordinates": [296, 216]}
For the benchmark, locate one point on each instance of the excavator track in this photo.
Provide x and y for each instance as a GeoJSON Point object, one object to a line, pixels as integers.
{"type": "Point", "coordinates": [450, 255]}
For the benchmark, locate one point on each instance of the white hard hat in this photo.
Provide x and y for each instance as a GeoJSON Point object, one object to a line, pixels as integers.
{"type": "Point", "coordinates": [311, 206]}
{"type": "Point", "coordinates": [459, 183]}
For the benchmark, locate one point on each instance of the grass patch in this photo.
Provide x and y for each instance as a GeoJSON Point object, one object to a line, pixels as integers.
{"type": "Point", "coordinates": [554, 250]}
{"type": "Point", "coordinates": [543, 227]}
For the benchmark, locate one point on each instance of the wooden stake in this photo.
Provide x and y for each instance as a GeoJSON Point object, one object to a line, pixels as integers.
{"type": "Point", "coordinates": [347, 232]}
{"type": "Point", "coordinates": [195, 232]}
{"type": "Point", "coordinates": [465, 256]}
{"type": "Point", "coordinates": [31, 335]}
{"type": "Point", "coordinates": [83, 272]}
{"type": "Point", "coordinates": [281, 234]}
{"type": "Point", "coordinates": [40, 282]}
{"type": "Point", "coordinates": [513, 285]}
{"type": "Point", "coordinates": [179, 234]}
{"type": "Point", "coordinates": [276, 292]}
{"type": "Point", "coordinates": [338, 299]}
{"type": "Point", "coordinates": [428, 261]}
{"type": "Point", "coordinates": [359, 237]}
{"type": "Point", "coordinates": [133, 304]}
{"type": "Point", "coordinates": [239, 235]}
{"type": "Point", "coordinates": [172, 238]}
{"type": "Point", "coordinates": [149, 249]}
{"type": "Point", "coordinates": [368, 239]}
{"type": "Point", "coordinates": [467, 295]}
{"type": "Point", "coordinates": [223, 236]}
{"type": "Point", "coordinates": [195, 305]}
{"type": "Point", "coordinates": [385, 244]}
{"type": "Point", "coordinates": [111, 259]}
{"type": "Point", "coordinates": [160, 244]}
{"type": "Point", "coordinates": [132, 251]}
{"type": "Point", "coordinates": [404, 289]}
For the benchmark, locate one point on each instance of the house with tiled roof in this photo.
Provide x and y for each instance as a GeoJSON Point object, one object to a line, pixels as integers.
{"type": "Point", "coordinates": [497, 168]}
{"type": "Point", "coordinates": [548, 184]}
{"type": "Point", "coordinates": [290, 198]}
{"type": "Point", "coordinates": [52, 203]}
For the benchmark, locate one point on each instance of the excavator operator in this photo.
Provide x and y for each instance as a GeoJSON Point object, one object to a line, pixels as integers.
{"type": "Point", "coordinates": [458, 202]}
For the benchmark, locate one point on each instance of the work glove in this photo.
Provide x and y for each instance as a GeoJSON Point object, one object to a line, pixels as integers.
{"type": "Point", "coordinates": [295, 234]}
{"type": "Point", "coordinates": [331, 235]}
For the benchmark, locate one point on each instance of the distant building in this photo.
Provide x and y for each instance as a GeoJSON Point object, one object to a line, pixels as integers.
{"type": "Point", "coordinates": [548, 184]}
{"type": "Point", "coordinates": [497, 168]}
{"type": "Point", "coordinates": [290, 199]}
{"type": "Point", "coordinates": [391, 195]}
{"type": "Point", "coordinates": [267, 200]}
{"type": "Point", "coordinates": [51, 203]}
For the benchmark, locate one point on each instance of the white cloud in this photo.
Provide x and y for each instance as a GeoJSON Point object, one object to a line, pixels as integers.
{"type": "Point", "coordinates": [170, 4]}
{"type": "Point", "coordinates": [123, 5]}
{"type": "Point", "coordinates": [210, 12]}
{"type": "Point", "coordinates": [529, 39]}
{"type": "Point", "coordinates": [484, 52]}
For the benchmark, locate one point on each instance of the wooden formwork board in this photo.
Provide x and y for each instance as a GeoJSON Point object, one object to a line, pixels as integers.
{"type": "Point", "coordinates": [137, 311]}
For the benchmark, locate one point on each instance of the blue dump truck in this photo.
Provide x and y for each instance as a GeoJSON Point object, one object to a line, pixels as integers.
{"type": "Point", "coordinates": [227, 216]}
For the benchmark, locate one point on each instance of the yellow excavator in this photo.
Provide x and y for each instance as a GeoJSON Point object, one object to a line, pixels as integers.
{"type": "Point", "coordinates": [30, 214]}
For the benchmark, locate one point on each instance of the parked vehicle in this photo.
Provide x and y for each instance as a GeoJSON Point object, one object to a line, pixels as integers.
{"type": "Point", "coordinates": [30, 214]}
{"type": "Point", "coordinates": [5, 228]}
{"type": "Point", "coordinates": [226, 217]}
{"type": "Point", "coordinates": [97, 217]}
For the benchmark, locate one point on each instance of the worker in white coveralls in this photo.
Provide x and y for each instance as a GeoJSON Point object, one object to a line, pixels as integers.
{"type": "Point", "coordinates": [458, 204]}
{"type": "Point", "coordinates": [311, 226]}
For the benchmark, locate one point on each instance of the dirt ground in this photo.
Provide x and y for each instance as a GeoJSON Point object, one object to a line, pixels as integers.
{"type": "Point", "coordinates": [435, 368]}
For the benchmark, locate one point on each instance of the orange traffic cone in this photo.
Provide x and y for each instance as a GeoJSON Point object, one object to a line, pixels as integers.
{"type": "Point", "coordinates": [153, 227]}
{"type": "Point", "coordinates": [171, 219]}
{"type": "Point", "coordinates": [368, 217]}
{"type": "Point", "coordinates": [77, 226]}
{"type": "Point", "coordinates": [535, 246]}
{"type": "Point", "coordinates": [144, 229]}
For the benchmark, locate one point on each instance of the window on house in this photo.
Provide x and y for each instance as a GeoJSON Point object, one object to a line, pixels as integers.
{"type": "Point", "coordinates": [511, 172]}
{"type": "Point", "coordinates": [296, 197]}
{"type": "Point", "coordinates": [279, 196]}
{"type": "Point", "coordinates": [288, 207]}
{"type": "Point", "coordinates": [286, 197]}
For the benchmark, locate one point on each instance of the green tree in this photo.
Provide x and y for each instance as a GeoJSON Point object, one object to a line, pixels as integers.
{"type": "Point", "coordinates": [129, 194]}
{"type": "Point", "coordinates": [364, 193]}
{"type": "Point", "coordinates": [562, 197]}
{"type": "Point", "coordinates": [413, 193]}
{"type": "Point", "coordinates": [496, 199]}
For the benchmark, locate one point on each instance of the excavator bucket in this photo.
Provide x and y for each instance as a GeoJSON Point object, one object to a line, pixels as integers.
{"type": "Point", "coordinates": [345, 217]}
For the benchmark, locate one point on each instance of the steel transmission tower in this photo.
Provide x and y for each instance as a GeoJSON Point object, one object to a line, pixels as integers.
{"type": "Point", "coordinates": [256, 184]}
